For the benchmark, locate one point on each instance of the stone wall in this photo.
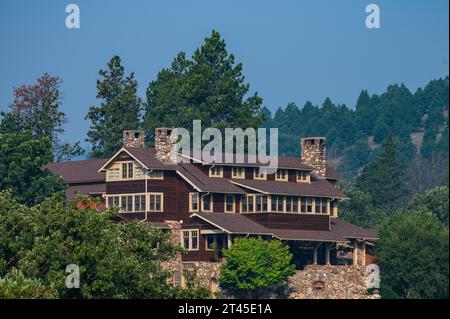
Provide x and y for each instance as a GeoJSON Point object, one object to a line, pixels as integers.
{"type": "Point", "coordinates": [133, 138]}
{"type": "Point", "coordinates": [313, 153]}
{"type": "Point", "coordinates": [329, 282]}
{"type": "Point", "coordinates": [165, 144]}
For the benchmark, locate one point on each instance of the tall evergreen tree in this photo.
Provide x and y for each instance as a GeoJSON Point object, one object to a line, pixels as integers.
{"type": "Point", "coordinates": [383, 178]}
{"type": "Point", "coordinates": [118, 111]}
{"type": "Point", "coordinates": [37, 109]}
{"type": "Point", "coordinates": [209, 86]}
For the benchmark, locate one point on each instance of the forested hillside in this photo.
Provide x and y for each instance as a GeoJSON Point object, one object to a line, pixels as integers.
{"type": "Point", "coordinates": [418, 121]}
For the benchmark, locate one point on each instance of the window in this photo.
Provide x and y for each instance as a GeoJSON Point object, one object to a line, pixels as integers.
{"type": "Point", "coordinates": [126, 203]}
{"type": "Point", "coordinates": [210, 242]}
{"type": "Point", "coordinates": [127, 170]}
{"type": "Point", "coordinates": [302, 176]}
{"type": "Point", "coordinates": [281, 175]}
{"type": "Point", "coordinates": [295, 204]}
{"type": "Point", "coordinates": [207, 203]}
{"type": "Point", "coordinates": [194, 202]}
{"type": "Point", "coordinates": [156, 202]}
{"type": "Point", "coordinates": [238, 172]}
{"type": "Point", "coordinates": [289, 204]}
{"type": "Point", "coordinates": [137, 171]}
{"type": "Point", "coordinates": [215, 171]}
{"type": "Point", "coordinates": [333, 207]}
{"type": "Point", "coordinates": [309, 204]}
{"type": "Point", "coordinates": [321, 205]}
{"type": "Point", "coordinates": [113, 201]}
{"type": "Point", "coordinates": [156, 174]}
{"type": "Point", "coordinates": [190, 239]}
{"type": "Point", "coordinates": [248, 204]}
{"type": "Point", "coordinates": [259, 173]}
{"type": "Point", "coordinates": [130, 170]}
{"type": "Point", "coordinates": [139, 203]}
{"type": "Point", "coordinates": [302, 204]}
{"type": "Point", "coordinates": [124, 170]}
{"type": "Point", "coordinates": [229, 204]}
{"type": "Point", "coordinates": [261, 203]}
{"type": "Point", "coordinates": [277, 203]}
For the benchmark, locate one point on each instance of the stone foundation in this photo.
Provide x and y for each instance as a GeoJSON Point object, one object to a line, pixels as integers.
{"type": "Point", "coordinates": [329, 282]}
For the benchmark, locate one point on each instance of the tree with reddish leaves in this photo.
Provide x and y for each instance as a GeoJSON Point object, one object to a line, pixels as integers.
{"type": "Point", "coordinates": [36, 108]}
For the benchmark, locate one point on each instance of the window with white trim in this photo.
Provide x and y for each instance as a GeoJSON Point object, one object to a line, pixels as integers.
{"type": "Point", "coordinates": [216, 171]}
{"type": "Point", "coordinates": [248, 203]}
{"type": "Point", "coordinates": [155, 202]}
{"type": "Point", "coordinates": [126, 202]}
{"type": "Point", "coordinates": [321, 205]}
{"type": "Point", "coordinates": [207, 202]}
{"type": "Point", "coordinates": [237, 172]}
{"type": "Point", "coordinates": [302, 176]}
{"type": "Point", "coordinates": [194, 202]}
{"type": "Point", "coordinates": [113, 201]}
{"type": "Point", "coordinates": [259, 173]}
{"type": "Point", "coordinates": [230, 204]}
{"type": "Point", "coordinates": [281, 175]}
{"type": "Point", "coordinates": [139, 203]}
{"type": "Point", "coordinates": [261, 203]}
{"type": "Point", "coordinates": [190, 239]}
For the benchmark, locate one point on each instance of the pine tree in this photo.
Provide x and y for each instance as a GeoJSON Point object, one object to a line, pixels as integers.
{"type": "Point", "coordinates": [209, 86]}
{"type": "Point", "coordinates": [383, 178]}
{"type": "Point", "coordinates": [118, 111]}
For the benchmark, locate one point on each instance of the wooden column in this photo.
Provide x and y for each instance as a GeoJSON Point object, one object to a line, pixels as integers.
{"type": "Point", "coordinates": [315, 253]}
{"type": "Point", "coordinates": [364, 253]}
{"type": "Point", "coordinates": [327, 255]}
{"type": "Point", "coordinates": [230, 242]}
{"type": "Point", "coordinates": [355, 253]}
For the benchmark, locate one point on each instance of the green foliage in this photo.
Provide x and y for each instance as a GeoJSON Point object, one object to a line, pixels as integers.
{"type": "Point", "coordinates": [36, 109]}
{"type": "Point", "coordinates": [354, 136]}
{"type": "Point", "coordinates": [21, 160]}
{"type": "Point", "coordinates": [359, 209]}
{"type": "Point", "coordinates": [16, 286]}
{"type": "Point", "coordinates": [116, 260]}
{"type": "Point", "coordinates": [253, 265]}
{"type": "Point", "coordinates": [383, 178]}
{"type": "Point", "coordinates": [435, 200]}
{"type": "Point", "coordinates": [118, 111]}
{"type": "Point", "coordinates": [208, 87]}
{"type": "Point", "coordinates": [413, 256]}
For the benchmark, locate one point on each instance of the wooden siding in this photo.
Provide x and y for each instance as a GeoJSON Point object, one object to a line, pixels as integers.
{"type": "Point", "coordinates": [291, 221]}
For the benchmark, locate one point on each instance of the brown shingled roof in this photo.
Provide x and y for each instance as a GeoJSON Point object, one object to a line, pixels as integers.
{"type": "Point", "coordinates": [285, 162]}
{"type": "Point", "coordinates": [86, 189]}
{"type": "Point", "coordinates": [206, 184]}
{"type": "Point", "coordinates": [240, 224]}
{"type": "Point", "coordinates": [78, 171]}
{"type": "Point", "coordinates": [317, 187]}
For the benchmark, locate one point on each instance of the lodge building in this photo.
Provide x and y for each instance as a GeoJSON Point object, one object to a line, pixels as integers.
{"type": "Point", "coordinates": [210, 204]}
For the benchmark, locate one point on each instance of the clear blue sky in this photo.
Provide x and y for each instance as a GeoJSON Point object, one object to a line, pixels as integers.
{"type": "Point", "coordinates": [292, 51]}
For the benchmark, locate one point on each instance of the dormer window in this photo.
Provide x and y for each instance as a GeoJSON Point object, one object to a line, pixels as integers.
{"type": "Point", "coordinates": [259, 173]}
{"type": "Point", "coordinates": [216, 171]}
{"type": "Point", "coordinates": [281, 175]}
{"type": "Point", "coordinates": [303, 177]}
{"type": "Point", "coordinates": [127, 170]}
{"type": "Point", "coordinates": [238, 172]}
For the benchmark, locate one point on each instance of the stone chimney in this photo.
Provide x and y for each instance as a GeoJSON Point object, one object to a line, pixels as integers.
{"type": "Point", "coordinates": [165, 144]}
{"type": "Point", "coordinates": [313, 153]}
{"type": "Point", "coordinates": [133, 138]}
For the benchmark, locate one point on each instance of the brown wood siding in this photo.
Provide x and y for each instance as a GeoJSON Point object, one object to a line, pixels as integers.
{"type": "Point", "coordinates": [176, 195]}
{"type": "Point", "coordinates": [291, 221]}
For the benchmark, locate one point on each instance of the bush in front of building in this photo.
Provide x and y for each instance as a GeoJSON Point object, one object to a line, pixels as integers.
{"type": "Point", "coordinates": [254, 265]}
